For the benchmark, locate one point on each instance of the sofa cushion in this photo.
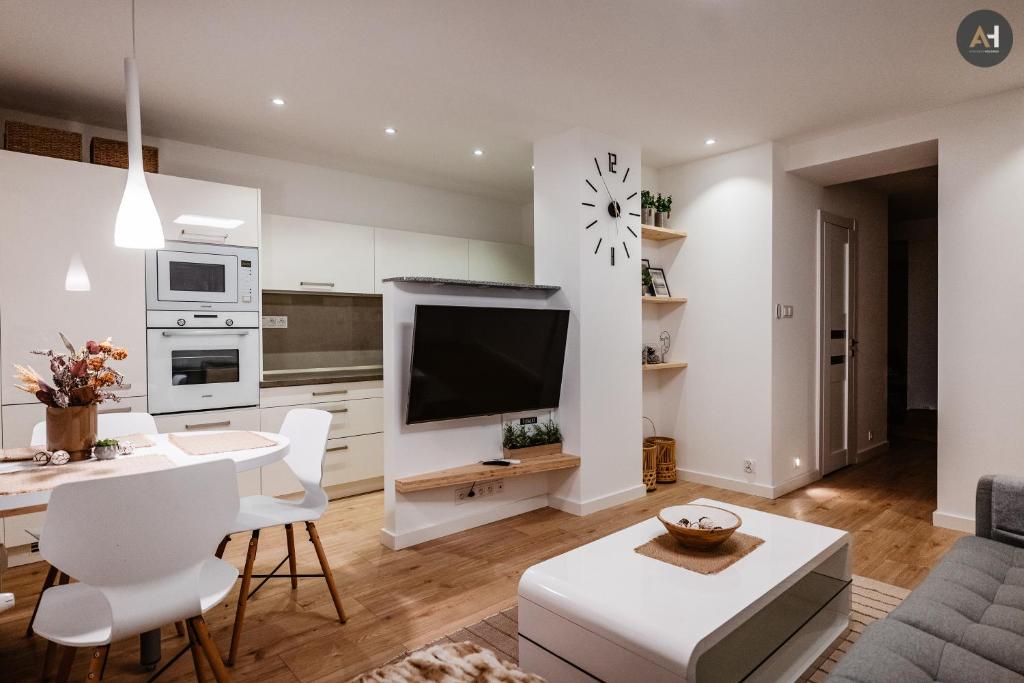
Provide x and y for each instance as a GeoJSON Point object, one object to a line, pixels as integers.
{"type": "Point", "coordinates": [965, 622]}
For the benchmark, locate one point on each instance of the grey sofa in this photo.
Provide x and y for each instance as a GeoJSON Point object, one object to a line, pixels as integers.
{"type": "Point", "coordinates": [965, 622]}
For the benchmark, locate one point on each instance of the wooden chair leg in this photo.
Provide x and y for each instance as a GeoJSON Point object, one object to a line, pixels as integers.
{"type": "Point", "coordinates": [243, 597]}
{"type": "Point", "coordinates": [220, 548]}
{"type": "Point", "coordinates": [99, 658]}
{"type": "Point", "coordinates": [51, 576]}
{"type": "Point", "coordinates": [51, 651]}
{"type": "Point", "coordinates": [197, 657]}
{"type": "Point", "coordinates": [220, 673]}
{"type": "Point", "coordinates": [314, 538]}
{"type": "Point", "coordinates": [292, 563]}
{"type": "Point", "coordinates": [179, 628]}
{"type": "Point", "coordinates": [67, 659]}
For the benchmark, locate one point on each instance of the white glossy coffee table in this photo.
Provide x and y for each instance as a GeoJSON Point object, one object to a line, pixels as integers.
{"type": "Point", "coordinates": [603, 612]}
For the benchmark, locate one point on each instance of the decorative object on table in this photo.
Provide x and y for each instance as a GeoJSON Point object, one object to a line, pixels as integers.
{"type": "Point", "coordinates": [650, 469]}
{"type": "Point", "coordinates": [524, 441]}
{"type": "Point", "coordinates": [126, 448]}
{"type": "Point", "coordinates": [662, 211]}
{"type": "Point", "coordinates": [105, 449]}
{"type": "Point", "coordinates": [701, 527]}
{"type": "Point", "coordinates": [647, 284]}
{"type": "Point", "coordinates": [665, 548]}
{"type": "Point", "coordinates": [105, 152]}
{"type": "Point", "coordinates": [651, 356]}
{"type": "Point", "coordinates": [54, 458]}
{"type": "Point", "coordinates": [660, 282]}
{"type": "Point", "coordinates": [42, 141]}
{"type": "Point", "coordinates": [81, 380]}
{"type": "Point", "coordinates": [646, 208]}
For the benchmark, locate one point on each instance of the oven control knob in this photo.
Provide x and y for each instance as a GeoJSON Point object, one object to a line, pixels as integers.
{"type": "Point", "coordinates": [181, 322]}
{"type": "Point", "coordinates": [229, 322]}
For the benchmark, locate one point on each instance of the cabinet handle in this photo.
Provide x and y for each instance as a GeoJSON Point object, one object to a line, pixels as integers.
{"type": "Point", "coordinates": [338, 410]}
{"type": "Point", "coordinates": [316, 284]}
{"type": "Point", "coordinates": [204, 425]}
{"type": "Point", "coordinates": [205, 333]}
{"type": "Point", "coordinates": [114, 410]}
{"type": "Point", "coordinates": [121, 387]}
{"type": "Point", "coordinates": [330, 393]}
{"type": "Point", "coordinates": [204, 238]}
{"type": "Point", "coordinates": [343, 447]}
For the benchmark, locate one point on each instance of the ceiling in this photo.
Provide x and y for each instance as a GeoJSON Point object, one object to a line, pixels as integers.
{"type": "Point", "coordinates": [454, 75]}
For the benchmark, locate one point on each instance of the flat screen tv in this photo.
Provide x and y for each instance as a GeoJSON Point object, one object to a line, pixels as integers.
{"type": "Point", "coordinates": [469, 361]}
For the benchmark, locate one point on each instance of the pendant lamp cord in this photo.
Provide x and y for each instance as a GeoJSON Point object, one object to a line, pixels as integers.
{"type": "Point", "coordinates": [133, 29]}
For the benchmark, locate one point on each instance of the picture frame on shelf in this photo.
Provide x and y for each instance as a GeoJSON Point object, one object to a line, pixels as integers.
{"type": "Point", "coordinates": [660, 282]}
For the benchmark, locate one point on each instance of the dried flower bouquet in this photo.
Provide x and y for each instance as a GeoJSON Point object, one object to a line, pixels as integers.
{"type": "Point", "coordinates": [80, 377]}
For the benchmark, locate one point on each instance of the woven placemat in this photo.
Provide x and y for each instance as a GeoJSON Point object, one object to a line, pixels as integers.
{"type": "Point", "coordinates": [667, 549]}
{"type": "Point", "coordinates": [46, 478]}
{"type": "Point", "coordinates": [138, 440]}
{"type": "Point", "coordinates": [19, 453]}
{"type": "Point", "coordinates": [220, 442]}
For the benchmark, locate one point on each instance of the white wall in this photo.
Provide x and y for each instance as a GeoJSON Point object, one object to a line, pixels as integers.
{"type": "Point", "coordinates": [922, 311]}
{"type": "Point", "coordinates": [720, 408]}
{"type": "Point", "coordinates": [303, 190]}
{"type": "Point", "coordinates": [980, 242]}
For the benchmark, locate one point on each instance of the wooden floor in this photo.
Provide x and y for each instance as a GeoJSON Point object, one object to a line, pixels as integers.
{"type": "Point", "coordinates": [399, 601]}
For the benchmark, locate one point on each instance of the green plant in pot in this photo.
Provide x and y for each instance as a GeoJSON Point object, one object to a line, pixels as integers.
{"type": "Point", "coordinates": [105, 449]}
{"type": "Point", "coordinates": [647, 281]}
{"type": "Point", "coordinates": [663, 210]}
{"type": "Point", "coordinates": [646, 207]}
{"type": "Point", "coordinates": [520, 441]}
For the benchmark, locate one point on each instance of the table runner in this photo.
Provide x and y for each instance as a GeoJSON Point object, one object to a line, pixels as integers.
{"type": "Point", "coordinates": [48, 477]}
{"type": "Point", "coordinates": [27, 452]}
{"type": "Point", "coordinates": [220, 442]}
{"type": "Point", "coordinates": [667, 549]}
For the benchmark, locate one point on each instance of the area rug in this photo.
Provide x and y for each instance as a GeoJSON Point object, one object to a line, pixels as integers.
{"type": "Point", "coordinates": [497, 634]}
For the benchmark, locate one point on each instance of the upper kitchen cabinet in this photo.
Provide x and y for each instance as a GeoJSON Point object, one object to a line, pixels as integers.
{"type": "Point", "coordinates": [301, 254]}
{"type": "Point", "coordinates": [400, 254]}
{"type": "Point", "coordinates": [51, 210]}
{"type": "Point", "coordinates": [201, 211]}
{"type": "Point", "coordinates": [500, 262]}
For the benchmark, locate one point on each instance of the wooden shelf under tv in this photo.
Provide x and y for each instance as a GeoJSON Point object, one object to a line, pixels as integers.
{"type": "Point", "coordinates": [663, 299]}
{"type": "Point", "coordinates": [468, 474]}
{"type": "Point", "coordinates": [651, 367]}
{"type": "Point", "coordinates": [649, 232]}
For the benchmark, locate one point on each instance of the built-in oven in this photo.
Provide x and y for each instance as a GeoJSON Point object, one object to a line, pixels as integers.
{"type": "Point", "coordinates": [202, 360]}
{"type": "Point", "coordinates": [185, 276]}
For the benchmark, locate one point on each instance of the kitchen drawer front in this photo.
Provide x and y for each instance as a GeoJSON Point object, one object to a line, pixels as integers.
{"type": "Point", "coordinates": [348, 418]}
{"type": "Point", "coordinates": [354, 458]}
{"type": "Point", "coordinates": [320, 393]}
{"type": "Point", "coordinates": [17, 528]}
{"type": "Point", "coordinates": [19, 420]}
{"type": "Point", "coordinates": [245, 418]}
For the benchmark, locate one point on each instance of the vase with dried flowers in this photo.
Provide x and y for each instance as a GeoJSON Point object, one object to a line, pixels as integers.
{"type": "Point", "coordinates": [81, 380]}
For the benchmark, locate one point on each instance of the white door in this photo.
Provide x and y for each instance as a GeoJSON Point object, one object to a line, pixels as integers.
{"type": "Point", "coordinates": [838, 297]}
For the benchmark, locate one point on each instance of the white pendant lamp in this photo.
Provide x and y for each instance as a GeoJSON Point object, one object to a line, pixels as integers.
{"type": "Point", "coordinates": [77, 279]}
{"type": "Point", "coordinates": [138, 224]}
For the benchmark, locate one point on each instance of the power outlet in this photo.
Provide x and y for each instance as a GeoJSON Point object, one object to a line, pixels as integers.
{"type": "Point", "coordinates": [748, 466]}
{"type": "Point", "coordinates": [464, 494]}
{"type": "Point", "coordinates": [871, 435]}
{"type": "Point", "coordinates": [275, 322]}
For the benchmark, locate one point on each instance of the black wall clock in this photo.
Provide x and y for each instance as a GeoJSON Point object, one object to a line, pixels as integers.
{"type": "Point", "coordinates": [612, 223]}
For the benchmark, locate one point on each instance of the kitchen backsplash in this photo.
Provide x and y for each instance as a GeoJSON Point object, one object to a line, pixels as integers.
{"type": "Point", "coordinates": [322, 331]}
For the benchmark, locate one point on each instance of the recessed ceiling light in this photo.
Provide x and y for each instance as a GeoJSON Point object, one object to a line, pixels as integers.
{"type": "Point", "coordinates": [478, 152]}
{"type": "Point", "coordinates": [710, 141]}
{"type": "Point", "coordinates": [278, 101]}
{"type": "Point", "coordinates": [389, 131]}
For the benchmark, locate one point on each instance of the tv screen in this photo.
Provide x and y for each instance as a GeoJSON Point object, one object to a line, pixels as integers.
{"type": "Point", "coordinates": [469, 361]}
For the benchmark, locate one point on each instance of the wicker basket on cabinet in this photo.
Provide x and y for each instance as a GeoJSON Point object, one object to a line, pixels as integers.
{"type": "Point", "coordinates": [650, 465]}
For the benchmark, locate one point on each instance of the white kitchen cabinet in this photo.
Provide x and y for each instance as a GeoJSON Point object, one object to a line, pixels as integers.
{"type": "Point", "coordinates": [354, 459]}
{"type": "Point", "coordinates": [319, 393]}
{"type": "Point", "coordinates": [398, 253]}
{"type": "Point", "coordinates": [242, 418]}
{"type": "Point", "coordinates": [306, 255]}
{"type": "Point", "coordinates": [348, 418]}
{"type": "Point", "coordinates": [19, 420]}
{"type": "Point", "coordinates": [500, 262]}
{"type": "Point", "coordinates": [177, 199]}
{"type": "Point", "coordinates": [51, 209]}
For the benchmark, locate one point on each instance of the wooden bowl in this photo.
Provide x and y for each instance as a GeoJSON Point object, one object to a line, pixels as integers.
{"type": "Point", "coordinates": [699, 539]}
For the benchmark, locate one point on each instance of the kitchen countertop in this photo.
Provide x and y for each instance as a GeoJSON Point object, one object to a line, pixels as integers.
{"type": "Point", "coordinates": [302, 378]}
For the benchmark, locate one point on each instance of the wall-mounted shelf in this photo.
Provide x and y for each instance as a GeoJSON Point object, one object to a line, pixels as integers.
{"type": "Point", "coordinates": [467, 474]}
{"type": "Point", "coordinates": [649, 232]}
{"type": "Point", "coordinates": [653, 367]}
{"type": "Point", "coordinates": [663, 299]}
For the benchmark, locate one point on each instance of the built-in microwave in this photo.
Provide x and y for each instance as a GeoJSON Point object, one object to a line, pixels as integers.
{"type": "Point", "coordinates": [185, 276]}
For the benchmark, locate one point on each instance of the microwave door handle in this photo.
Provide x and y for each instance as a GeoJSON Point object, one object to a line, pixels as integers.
{"type": "Point", "coordinates": [205, 333]}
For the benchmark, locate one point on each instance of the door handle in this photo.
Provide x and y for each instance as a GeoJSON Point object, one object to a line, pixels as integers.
{"type": "Point", "coordinates": [206, 425]}
{"type": "Point", "coordinates": [316, 284]}
{"type": "Point", "coordinates": [202, 237]}
{"type": "Point", "coordinates": [205, 333]}
{"type": "Point", "coordinates": [330, 393]}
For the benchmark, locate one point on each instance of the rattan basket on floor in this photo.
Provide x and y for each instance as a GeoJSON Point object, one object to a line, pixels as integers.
{"type": "Point", "coordinates": [650, 465]}
{"type": "Point", "coordinates": [666, 458]}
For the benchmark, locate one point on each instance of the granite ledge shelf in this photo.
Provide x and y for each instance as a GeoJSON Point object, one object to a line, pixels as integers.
{"type": "Point", "coordinates": [473, 283]}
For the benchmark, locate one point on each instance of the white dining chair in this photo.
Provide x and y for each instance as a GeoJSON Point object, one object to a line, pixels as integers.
{"type": "Point", "coordinates": [307, 429]}
{"type": "Point", "coordinates": [141, 547]}
{"type": "Point", "coordinates": [108, 426]}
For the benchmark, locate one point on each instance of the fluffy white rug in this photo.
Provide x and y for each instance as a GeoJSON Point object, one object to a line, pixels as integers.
{"type": "Point", "coordinates": [450, 663]}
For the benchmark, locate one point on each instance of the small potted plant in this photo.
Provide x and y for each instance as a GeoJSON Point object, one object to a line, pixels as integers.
{"type": "Point", "coordinates": [81, 381]}
{"type": "Point", "coordinates": [663, 210]}
{"type": "Point", "coordinates": [646, 207]}
{"type": "Point", "coordinates": [520, 441]}
{"type": "Point", "coordinates": [647, 280]}
{"type": "Point", "coordinates": [105, 449]}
